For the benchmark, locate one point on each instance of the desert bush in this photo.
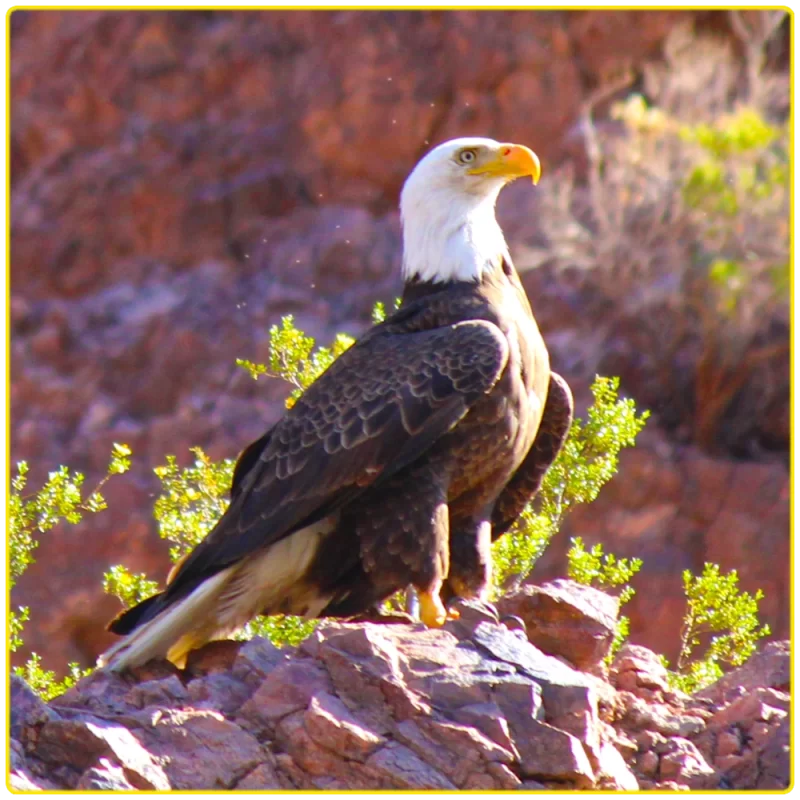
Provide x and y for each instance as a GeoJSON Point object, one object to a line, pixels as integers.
{"type": "Point", "coordinates": [588, 460]}
{"type": "Point", "coordinates": [60, 499]}
{"type": "Point", "coordinates": [191, 500]}
{"type": "Point", "coordinates": [605, 571]}
{"type": "Point", "coordinates": [194, 497]}
{"type": "Point", "coordinates": [727, 619]}
{"type": "Point", "coordinates": [678, 237]}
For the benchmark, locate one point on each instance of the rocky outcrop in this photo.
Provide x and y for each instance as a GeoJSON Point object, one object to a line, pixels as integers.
{"type": "Point", "coordinates": [731, 735]}
{"type": "Point", "coordinates": [566, 619]}
{"type": "Point", "coordinates": [364, 706]}
{"type": "Point", "coordinates": [181, 180]}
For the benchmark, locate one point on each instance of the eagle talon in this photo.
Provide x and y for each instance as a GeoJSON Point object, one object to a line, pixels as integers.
{"type": "Point", "coordinates": [431, 610]}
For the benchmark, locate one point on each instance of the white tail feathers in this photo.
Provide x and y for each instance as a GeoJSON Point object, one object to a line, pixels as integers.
{"type": "Point", "coordinates": [182, 623]}
{"type": "Point", "coordinates": [271, 581]}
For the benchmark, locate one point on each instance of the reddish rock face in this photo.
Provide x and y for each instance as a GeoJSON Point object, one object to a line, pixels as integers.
{"type": "Point", "coordinates": [566, 619]}
{"type": "Point", "coordinates": [181, 180]}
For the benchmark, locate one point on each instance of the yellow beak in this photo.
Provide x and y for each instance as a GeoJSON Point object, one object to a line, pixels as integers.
{"type": "Point", "coordinates": [512, 161]}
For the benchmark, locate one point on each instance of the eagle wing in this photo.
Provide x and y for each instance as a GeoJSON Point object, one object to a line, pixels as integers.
{"type": "Point", "coordinates": [379, 406]}
{"type": "Point", "coordinates": [550, 438]}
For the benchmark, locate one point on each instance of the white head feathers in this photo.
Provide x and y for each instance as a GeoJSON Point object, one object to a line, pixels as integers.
{"type": "Point", "coordinates": [447, 208]}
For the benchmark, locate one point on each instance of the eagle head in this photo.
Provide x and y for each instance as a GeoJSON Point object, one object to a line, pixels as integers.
{"type": "Point", "coordinates": [450, 232]}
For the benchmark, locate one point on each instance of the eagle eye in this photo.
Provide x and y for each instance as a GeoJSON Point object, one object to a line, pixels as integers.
{"type": "Point", "coordinates": [467, 156]}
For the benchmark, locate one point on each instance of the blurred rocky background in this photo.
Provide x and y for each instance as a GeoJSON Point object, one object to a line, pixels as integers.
{"type": "Point", "coordinates": [181, 180]}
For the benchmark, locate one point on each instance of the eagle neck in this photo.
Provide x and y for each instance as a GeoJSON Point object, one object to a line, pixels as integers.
{"type": "Point", "coordinates": [447, 238]}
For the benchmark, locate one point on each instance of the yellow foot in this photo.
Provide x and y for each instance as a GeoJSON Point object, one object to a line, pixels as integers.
{"type": "Point", "coordinates": [432, 611]}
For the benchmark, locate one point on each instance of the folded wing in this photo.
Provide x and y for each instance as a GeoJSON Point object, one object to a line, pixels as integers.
{"type": "Point", "coordinates": [380, 406]}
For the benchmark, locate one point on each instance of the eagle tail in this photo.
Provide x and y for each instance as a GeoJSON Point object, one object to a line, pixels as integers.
{"type": "Point", "coordinates": [273, 581]}
{"type": "Point", "coordinates": [173, 632]}
{"type": "Point", "coordinates": [130, 619]}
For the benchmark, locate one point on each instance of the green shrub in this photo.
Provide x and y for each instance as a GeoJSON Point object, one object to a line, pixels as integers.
{"type": "Point", "coordinates": [293, 357]}
{"type": "Point", "coordinates": [726, 618]}
{"type": "Point", "coordinates": [193, 498]}
{"type": "Point", "coordinates": [44, 681]}
{"type": "Point", "coordinates": [605, 571]}
{"type": "Point", "coordinates": [586, 463]}
{"type": "Point", "coordinates": [60, 499]}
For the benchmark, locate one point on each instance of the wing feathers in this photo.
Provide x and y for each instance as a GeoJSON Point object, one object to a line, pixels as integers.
{"type": "Point", "coordinates": [526, 481]}
{"type": "Point", "coordinates": [321, 455]}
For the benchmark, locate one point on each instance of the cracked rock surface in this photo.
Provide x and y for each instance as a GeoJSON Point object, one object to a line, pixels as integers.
{"type": "Point", "coordinates": [474, 705]}
{"type": "Point", "coordinates": [180, 181]}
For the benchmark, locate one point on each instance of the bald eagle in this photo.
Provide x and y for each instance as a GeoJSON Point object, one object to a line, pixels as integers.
{"type": "Point", "coordinates": [403, 461]}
